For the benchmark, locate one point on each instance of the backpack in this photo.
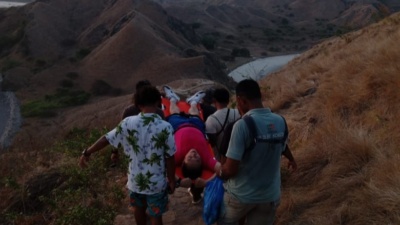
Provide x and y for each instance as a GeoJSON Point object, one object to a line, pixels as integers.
{"type": "Point", "coordinates": [253, 132]}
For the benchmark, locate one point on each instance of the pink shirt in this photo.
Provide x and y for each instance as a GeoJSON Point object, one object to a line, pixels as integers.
{"type": "Point", "coordinates": [187, 138]}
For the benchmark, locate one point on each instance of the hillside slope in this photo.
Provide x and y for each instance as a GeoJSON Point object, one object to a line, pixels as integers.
{"type": "Point", "coordinates": [118, 42]}
{"type": "Point", "coordinates": [275, 27]}
{"type": "Point", "coordinates": [341, 100]}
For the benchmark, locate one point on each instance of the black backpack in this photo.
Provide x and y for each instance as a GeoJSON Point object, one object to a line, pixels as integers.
{"type": "Point", "coordinates": [253, 132]}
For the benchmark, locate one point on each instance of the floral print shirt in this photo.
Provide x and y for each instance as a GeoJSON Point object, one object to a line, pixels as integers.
{"type": "Point", "coordinates": [147, 140]}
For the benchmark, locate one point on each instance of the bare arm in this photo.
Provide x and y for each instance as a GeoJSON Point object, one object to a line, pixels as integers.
{"type": "Point", "coordinates": [288, 154]}
{"type": "Point", "coordinates": [212, 139]}
{"type": "Point", "coordinates": [97, 146]}
{"type": "Point", "coordinates": [170, 163]}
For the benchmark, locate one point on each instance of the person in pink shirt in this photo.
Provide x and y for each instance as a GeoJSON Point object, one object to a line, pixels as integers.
{"type": "Point", "coordinates": [193, 159]}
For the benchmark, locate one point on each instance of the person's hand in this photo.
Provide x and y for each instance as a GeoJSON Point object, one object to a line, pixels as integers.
{"type": "Point", "coordinates": [114, 158]}
{"type": "Point", "coordinates": [292, 164]}
{"type": "Point", "coordinates": [186, 182]}
{"type": "Point", "coordinates": [171, 187]}
{"type": "Point", "coordinates": [200, 182]}
{"type": "Point", "coordinates": [83, 161]}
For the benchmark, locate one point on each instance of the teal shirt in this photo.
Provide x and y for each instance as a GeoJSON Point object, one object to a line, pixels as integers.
{"type": "Point", "coordinates": [258, 179]}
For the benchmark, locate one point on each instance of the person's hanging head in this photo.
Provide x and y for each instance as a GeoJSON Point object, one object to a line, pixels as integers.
{"type": "Point", "coordinates": [192, 165]}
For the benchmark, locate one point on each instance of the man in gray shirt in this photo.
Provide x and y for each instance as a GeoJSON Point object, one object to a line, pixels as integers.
{"type": "Point", "coordinates": [216, 123]}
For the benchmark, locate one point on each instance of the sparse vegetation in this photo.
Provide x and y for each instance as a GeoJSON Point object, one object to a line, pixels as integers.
{"type": "Point", "coordinates": [9, 64]}
{"type": "Point", "coordinates": [86, 196]}
{"type": "Point", "coordinates": [72, 75]}
{"type": "Point", "coordinates": [46, 107]}
{"type": "Point", "coordinates": [341, 114]}
{"type": "Point", "coordinates": [66, 83]}
{"type": "Point", "coordinates": [196, 25]}
{"type": "Point", "coordinates": [240, 52]}
{"type": "Point", "coordinates": [208, 42]}
{"type": "Point", "coordinates": [82, 53]}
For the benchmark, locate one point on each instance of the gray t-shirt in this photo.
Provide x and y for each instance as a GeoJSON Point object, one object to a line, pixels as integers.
{"type": "Point", "coordinates": [258, 179]}
{"type": "Point", "coordinates": [215, 122]}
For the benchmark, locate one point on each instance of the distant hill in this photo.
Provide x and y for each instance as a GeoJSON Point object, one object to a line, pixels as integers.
{"type": "Point", "coordinates": [275, 27]}
{"type": "Point", "coordinates": [118, 42]}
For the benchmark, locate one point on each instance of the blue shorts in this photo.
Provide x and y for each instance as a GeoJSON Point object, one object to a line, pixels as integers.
{"type": "Point", "coordinates": [177, 120]}
{"type": "Point", "coordinates": [157, 204]}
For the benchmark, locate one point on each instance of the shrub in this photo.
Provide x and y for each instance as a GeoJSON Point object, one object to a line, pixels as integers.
{"type": "Point", "coordinates": [9, 64]}
{"type": "Point", "coordinates": [66, 83]}
{"type": "Point", "coordinates": [46, 107]}
{"type": "Point", "coordinates": [82, 53]}
{"type": "Point", "coordinates": [208, 42]}
{"type": "Point", "coordinates": [68, 42]}
{"type": "Point", "coordinates": [72, 75]}
{"type": "Point", "coordinates": [240, 52]}
{"type": "Point", "coordinates": [196, 25]}
{"type": "Point", "coordinates": [100, 87]}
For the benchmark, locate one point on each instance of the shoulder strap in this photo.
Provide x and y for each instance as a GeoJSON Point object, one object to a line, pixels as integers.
{"type": "Point", "coordinates": [253, 132]}
{"type": "Point", "coordinates": [223, 126]}
{"type": "Point", "coordinates": [286, 130]}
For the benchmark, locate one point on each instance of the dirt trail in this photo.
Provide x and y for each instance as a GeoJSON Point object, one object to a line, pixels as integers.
{"type": "Point", "coordinates": [181, 211]}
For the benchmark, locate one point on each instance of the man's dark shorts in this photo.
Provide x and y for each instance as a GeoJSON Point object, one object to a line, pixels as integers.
{"type": "Point", "coordinates": [157, 204]}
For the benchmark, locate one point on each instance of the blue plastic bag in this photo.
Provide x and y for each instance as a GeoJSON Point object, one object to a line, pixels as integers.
{"type": "Point", "coordinates": [213, 197]}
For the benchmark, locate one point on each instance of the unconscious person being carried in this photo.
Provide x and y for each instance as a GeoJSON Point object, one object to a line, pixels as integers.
{"type": "Point", "coordinates": [194, 160]}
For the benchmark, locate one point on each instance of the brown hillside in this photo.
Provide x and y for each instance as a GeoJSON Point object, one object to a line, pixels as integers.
{"type": "Point", "coordinates": [341, 100]}
{"type": "Point", "coordinates": [119, 42]}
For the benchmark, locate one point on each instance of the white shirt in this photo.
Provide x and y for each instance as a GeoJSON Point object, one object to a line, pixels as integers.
{"type": "Point", "coordinates": [147, 140]}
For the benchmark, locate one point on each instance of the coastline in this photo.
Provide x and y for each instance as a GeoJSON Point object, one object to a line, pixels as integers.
{"type": "Point", "coordinates": [259, 68]}
{"type": "Point", "coordinates": [10, 118]}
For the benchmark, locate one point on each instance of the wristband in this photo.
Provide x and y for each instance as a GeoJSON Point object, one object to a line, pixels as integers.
{"type": "Point", "coordinates": [85, 153]}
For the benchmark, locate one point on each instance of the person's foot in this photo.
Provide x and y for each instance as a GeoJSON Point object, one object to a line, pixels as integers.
{"type": "Point", "coordinates": [195, 199]}
{"type": "Point", "coordinates": [170, 94]}
{"type": "Point", "coordinates": [196, 98]}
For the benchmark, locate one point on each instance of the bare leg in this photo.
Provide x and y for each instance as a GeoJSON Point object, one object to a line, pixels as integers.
{"type": "Point", "coordinates": [156, 220]}
{"type": "Point", "coordinates": [173, 108]}
{"type": "Point", "coordinates": [140, 215]}
{"type": "Point", "coordinates": [193, 110]}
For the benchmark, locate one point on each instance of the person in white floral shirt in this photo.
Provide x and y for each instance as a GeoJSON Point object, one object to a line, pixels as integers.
{"type": "Point", "coordinates": [149, 143]}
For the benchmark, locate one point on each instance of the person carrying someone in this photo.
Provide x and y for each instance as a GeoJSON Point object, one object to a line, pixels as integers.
{"type": "Point", "coordinates": [216, 123]}
{"type": "Point", "coordinates": [149, 143]}
{"type": "Point", "coordinates": [193, 155]}
{"type": "Point", "coordinates": [253, 177]}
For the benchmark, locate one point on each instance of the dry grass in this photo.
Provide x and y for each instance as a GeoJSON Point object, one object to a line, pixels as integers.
{"type": "Point", "coordinates": [344, 135]}
{"type": "Point", "coordinates": [341, 100]}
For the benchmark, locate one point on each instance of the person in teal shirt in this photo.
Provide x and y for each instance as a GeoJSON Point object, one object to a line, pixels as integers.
{"type": "Point", "coordinates": [253, 175]}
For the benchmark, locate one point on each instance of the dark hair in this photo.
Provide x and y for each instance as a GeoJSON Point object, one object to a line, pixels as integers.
{"type": "Point", "coordinates": [191, 173]}
{"type": "Point", "coordinates": [142, 83]}
{"type": "Point", "coordinates": [249, 89]}
{"type": "Point", "coordinates": [221, 95]}
{"type": "Point", "coordinates": [209, 96]}
{"type": "Point", "coordinates": [147, 96]}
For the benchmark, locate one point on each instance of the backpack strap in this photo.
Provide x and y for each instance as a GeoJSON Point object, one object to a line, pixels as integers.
{"type": "Point", "coordinates": [286, 134]}
{"type": "Point", "coordinates": [222, 125]}
{"type": "Point", "coordinates": [253, 134]}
